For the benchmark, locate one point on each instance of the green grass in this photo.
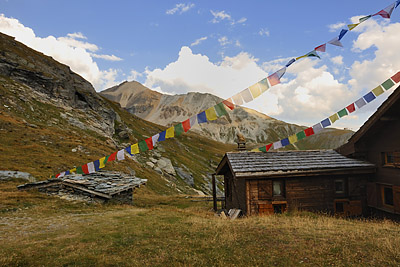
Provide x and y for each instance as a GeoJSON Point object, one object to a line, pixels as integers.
{"type": "Point", "coordinates": [173, 231]}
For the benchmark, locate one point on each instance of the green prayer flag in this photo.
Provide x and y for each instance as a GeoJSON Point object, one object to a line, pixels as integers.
{"type": "Point", "coordinates": [263, 149]}
{"type": "Point", "coordinates": [220, 109]}
{"type": "Point", "coordinates": [143, 146]}
{"type": "Point", "coordinates": [343, 113]}
{"type": "Point", "coordinates": [301, 135]}
{"type": "Point", "coordinates": [79, 170]}
{"type": "Point", "coordinates": [388, 84]}
{"type": "Point", "coordinates": [178, 129]}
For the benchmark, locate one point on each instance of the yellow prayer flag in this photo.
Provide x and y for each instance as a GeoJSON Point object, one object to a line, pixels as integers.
{"type": "Point", "coordinates": [378, 90]}
{"type": "Point", "coordinates": [255, 90]}
{"type": "Point", "coordinates": [211, 114]}
{"type": "Point", "coordinates": [255, 150]}
{"type": "Point", "coordinates": [297, 58]}
{"type": "Point", "coordinates": [72, 170]}
{"type": "Point", "coordinates": [135, 148]}
{"type": "Point", "coordinates": [293, 139]}
{"type": "Point", "coordinates": [352, 26]}
{"type": "Point", "coordinates": [101, 161]}
{"type": "Point", "coordinates": [170, 132]}
{"type": "Point", "coordinates": [334, 117]}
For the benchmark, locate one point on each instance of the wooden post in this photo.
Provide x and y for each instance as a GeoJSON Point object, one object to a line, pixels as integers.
{"type": "Point", "coordinates": [214, 192]}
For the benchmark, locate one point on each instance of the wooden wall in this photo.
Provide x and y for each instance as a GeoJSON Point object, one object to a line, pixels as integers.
{"type": "Point", "coordinates": [315, 193]}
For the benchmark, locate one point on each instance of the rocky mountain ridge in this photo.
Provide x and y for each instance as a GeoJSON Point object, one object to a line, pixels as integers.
{"type": "Point", "coordinates": [256, 127]}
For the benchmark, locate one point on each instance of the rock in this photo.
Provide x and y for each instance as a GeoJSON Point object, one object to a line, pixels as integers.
{"type": "Point", "coordinates": [123, 135]}
{"type": "Point", "coordinates": [153, 160]}
{"type": "Point", "coordinates": [156, 154]}
{"type": "Point", "coordinates": [187, 177]}
{"type": "Point", "coordinates": [150, 164]}
{"type": "Point", "coordinates": [157, 169]}
{"type": "Point", "coordinates": [165, 165]}
{"type": "Point", "coordinates": [6, 175]}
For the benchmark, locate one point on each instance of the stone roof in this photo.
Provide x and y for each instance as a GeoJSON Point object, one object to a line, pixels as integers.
{"type": "Point", "coordinates": [291, 161]}
{"type": "Point", "coordinates": [102, 183]}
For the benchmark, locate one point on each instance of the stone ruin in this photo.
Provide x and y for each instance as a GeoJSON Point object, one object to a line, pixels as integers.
{"type": "Point", "coordinates": [100, 187]}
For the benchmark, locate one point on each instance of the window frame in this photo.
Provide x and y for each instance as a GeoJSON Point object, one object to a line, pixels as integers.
{"type": "Point", "coordinates": [395, 155]}
{"type": "Point", "coordinates": [343, 182]}
{"type": "Point", "coordinates": [383, 187]}
{"type": "Point", "coordinates": [282, 188]}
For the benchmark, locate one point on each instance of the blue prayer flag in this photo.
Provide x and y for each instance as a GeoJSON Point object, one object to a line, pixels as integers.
{"type": "Point", "coordinates": [325, 123]}
{"type": "Point", "coordinates": [292, 61]}
{"type": "Point", "coordinates": [201, 117]}
{"type": "Point", "coordinates": [128, 149]}
{"type": "Point", "coordinates": [67, 173]}
{"type": "Point", "coordinates": [96, 163]}
{"type": "Point", "coordinates": [342, 33]}
{"type": "Point", "coordinates": [369, 97]}
{"type": "Point", "coordinates": [161, 137]}
{"type": "Point", "coordinates": [285, 142]}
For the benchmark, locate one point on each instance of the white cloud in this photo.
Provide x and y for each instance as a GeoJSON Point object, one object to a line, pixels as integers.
{"type": "Point", "coordinates": [223, 41]}
{"type": "Point", "coordinates": [180, 8]}
{"type": "Point", "coordinates": [134, 75]}
{"type": "Point", "coordinates": [75, 53]}
{"type": "Point", "coordinates": [263, 32]}
{"type": "Point", "coordinates": [196, 73]}
{"type": "Point", "coordinates": [338, 60]}
{"type": "Point", "coordinates": [107, 57]}
{"type": "Point", "coordinates": [198, 41]}
{"type": "Point", "coordinates": [222, 15]}
{"type": "Point", "coordinates": [219, 16]}
{"type": "Point", "coordinates": [238, 44]}
{"type": "Point", "coordinates": [336, 26]}
{"type": "Point", "coordinates": [242, 20]}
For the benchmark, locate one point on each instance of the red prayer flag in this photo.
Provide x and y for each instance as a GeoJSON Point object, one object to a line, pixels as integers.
{"type": "Point", "coordinates": [383, 14]}
{"type": "Point", "coordinates": [267, 147]}
{"type": "Point", "coordinates": [112, 156]}
{"type": "Point", "coordinates": [321, 48]}
{"type": "Point", "coordinates": [351, 108]}
{"type": "Point", "coordinates": [57, 175]}
{"type": "Point", "coordinates": [309, 131]}
{"type": "Point", "coordinates": [396, 77]}
{"type": "Point", "coordinates": [85, 169]}
{"type": "Point", "coordinates": [274, 79]}
{"type": "Point", "coordinates": [149, 142]}
{"type": "Point", "coordinates": [229, 104]}
{"type": "Point", "coordinates": [186, 125]}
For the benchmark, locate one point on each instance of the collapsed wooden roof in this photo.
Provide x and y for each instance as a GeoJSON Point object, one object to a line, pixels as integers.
{"type": "Point", "coordinates": [293, 163]}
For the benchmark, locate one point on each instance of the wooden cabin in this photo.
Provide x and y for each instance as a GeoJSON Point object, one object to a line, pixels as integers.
{"type": "Point", "coordinates": [273, 182]}
{"type": "Point", "coordinates": [378, 141]}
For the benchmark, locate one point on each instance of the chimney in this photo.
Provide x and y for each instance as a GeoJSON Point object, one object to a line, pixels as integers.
{"type": "Point", "coordinates": [241, 141]}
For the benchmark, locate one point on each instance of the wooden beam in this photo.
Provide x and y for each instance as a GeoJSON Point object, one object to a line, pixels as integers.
{"type": "Point", "coordinates": [214, 192]}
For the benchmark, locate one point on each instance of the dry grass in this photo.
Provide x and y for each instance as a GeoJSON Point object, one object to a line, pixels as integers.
{"type": "Point", "coordinates": [171, 230]}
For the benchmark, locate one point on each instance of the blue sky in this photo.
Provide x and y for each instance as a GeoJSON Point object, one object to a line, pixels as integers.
{"type": "Point", "coordinates": [219, 47]}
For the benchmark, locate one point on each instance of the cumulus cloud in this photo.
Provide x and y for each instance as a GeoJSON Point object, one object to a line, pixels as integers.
{"type": "Point", "coordinates": [134, 75]}
{"type": "Point", "coordinates": [70, 50]}
{"type": "Point", "coordinates": [336, 26]}
{"type": "Point", "coordinates": [179, 8]}
{"type": "Point", "coordinates": [338, 60]}
{"type": "Point", "coordinates": [198, 41]}
{"type": "Point", "coordinates": [196, 73]}
{"type": "Point", "coordinates": [222, 15]}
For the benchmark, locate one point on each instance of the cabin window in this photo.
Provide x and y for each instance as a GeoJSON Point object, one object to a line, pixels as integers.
{"type": "Point", "coordinates": [391, 159]}
{"type": "Point", "coordinates": [277, 188]}
{"type": "Point", "coordinates": [339, 207]}
{"type": "Point", "coordinates": [339, 186]}
{"type": "Point", "coordinates": [388, 195]}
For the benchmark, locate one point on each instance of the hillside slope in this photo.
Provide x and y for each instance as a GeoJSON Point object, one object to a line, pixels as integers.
{"type": "Point", "coordinates": [51, 120]}
{"type": "Point", "coordinates": [255, 126]}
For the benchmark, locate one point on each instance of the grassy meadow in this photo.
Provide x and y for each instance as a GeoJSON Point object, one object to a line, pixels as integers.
{"type": "Point", "coordinates": [36, 230]}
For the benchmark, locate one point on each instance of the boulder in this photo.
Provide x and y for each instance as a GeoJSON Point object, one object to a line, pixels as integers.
{"type": "Point", "coordinates": [165, 165]}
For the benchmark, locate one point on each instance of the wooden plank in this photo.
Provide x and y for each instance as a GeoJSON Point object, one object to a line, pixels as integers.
{"type": "Point", "coordinates": [371, 195]}
{"type": "Point", "coordinates": [396, 198]}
